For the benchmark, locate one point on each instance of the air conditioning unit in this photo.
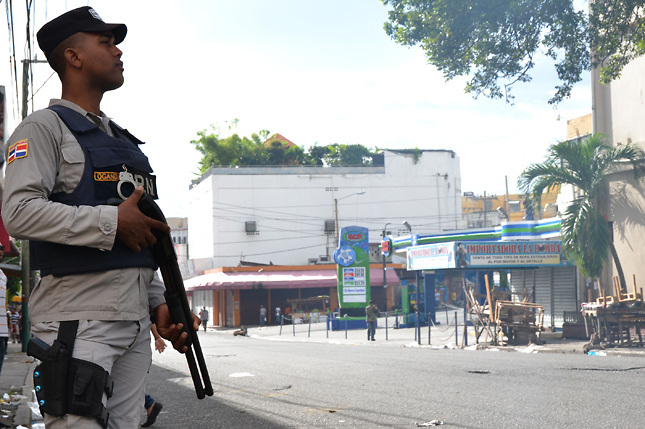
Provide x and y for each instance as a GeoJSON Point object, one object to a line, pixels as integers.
{"type": "Point", "coordinates": [312, 261]}
{"type": "Point", "coordinates": [323, 258]}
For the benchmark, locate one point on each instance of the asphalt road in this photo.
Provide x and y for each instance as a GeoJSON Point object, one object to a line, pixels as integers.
{"type": "Point", "coordinates": [274, 384]}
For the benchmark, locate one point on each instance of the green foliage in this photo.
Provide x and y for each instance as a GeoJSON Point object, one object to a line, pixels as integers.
{"type": "Point", "coordinates": [231, 151]}
{"type": "Point", "coordinates": [257, 150]}
{"type": "Point", "coordinates": [14, 287]}
{"type": "Point", "coordinates": [342, 154]}
{"type": "Point", "coordinates": [416, 155]}
{"type": "Point", "coordinates": [617, 30]}
{"type": "Point", "coordinates": [14, 284]}
{"type": "Point", "coordinates": [587, 165]}
{"type": "Point", "coordinates": [495, 43]}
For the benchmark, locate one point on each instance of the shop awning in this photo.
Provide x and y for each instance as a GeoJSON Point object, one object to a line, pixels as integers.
{"type": "Point", "coordinates": [293, 279]}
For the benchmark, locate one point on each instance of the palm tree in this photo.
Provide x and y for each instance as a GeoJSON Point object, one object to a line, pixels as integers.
{"type": "Point", "coordinates": [586, 164]}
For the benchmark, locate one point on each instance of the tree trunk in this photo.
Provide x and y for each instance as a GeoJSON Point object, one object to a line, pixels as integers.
{"type": "Point", "coordinates": [619, 267]}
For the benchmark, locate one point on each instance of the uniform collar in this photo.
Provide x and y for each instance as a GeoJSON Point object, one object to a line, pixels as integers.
{"type": "Point", "coordinates": [103, 120]}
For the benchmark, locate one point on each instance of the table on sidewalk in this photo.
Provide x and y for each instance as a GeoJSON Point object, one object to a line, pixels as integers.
{"type": "Point", "coordinates": [614, 325]}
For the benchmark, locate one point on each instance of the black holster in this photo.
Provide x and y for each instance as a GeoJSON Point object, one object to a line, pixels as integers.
{"type": "Point", "coordinates": [66, 385]}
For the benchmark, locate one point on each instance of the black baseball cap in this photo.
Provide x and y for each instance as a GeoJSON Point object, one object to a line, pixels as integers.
{"type": "Point", "coordinates": [82, 19]}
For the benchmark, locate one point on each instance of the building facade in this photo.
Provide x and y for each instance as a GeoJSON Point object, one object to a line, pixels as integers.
{"type": "Point", "coordinates": [263, 219]}
{"type": "Point", "coordinates": [618, 111]}
{"type": "Point", "coordinates": [289, 215]}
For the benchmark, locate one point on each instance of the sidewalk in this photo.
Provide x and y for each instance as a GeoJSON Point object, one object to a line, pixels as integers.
{"type": "Point", "coordinates": [16, 382]}
{"type": "Point", "coordinates": [441, 337]}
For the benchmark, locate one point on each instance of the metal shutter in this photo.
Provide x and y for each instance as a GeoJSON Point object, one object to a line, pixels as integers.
{"type": "Point", "coordinates": [543, 292]}
{"type": "Point", "coordinates": [565, 293]}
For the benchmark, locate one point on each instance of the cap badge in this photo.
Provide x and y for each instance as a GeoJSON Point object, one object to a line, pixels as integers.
{"type": "Point", "coordinates": [94, 14]}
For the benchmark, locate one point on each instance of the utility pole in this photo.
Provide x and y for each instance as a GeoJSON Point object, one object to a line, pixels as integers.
{"type": "Point", "coordinates": [484, 208]}
{"type": "Point", "coordinates": [438, 200]}
{"type": "Point", "coordinates": [507, 206]}
{"type": "Point", "coordinates": [336, 226]}
{"type": "Point", "coordinates": [25, 263]}
{"type": "Point", "coordinates": [25, 84]}
{"type": "Point", "coordinates": [336, 220]}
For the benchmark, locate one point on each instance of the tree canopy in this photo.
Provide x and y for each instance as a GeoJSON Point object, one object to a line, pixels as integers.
{"type": "Point", "coordinates": [260, 149]}
{"type": "Point", "coordinates": [495, 43]}
{"type": "Point", "coordinates": [587, 165]}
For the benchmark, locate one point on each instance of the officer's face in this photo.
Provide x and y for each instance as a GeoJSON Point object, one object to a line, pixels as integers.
{"type": "Point", "coordinates": [101, 61]}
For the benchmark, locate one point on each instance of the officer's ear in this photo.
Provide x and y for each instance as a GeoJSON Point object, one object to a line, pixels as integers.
{"type": "Point", "coordinates": [73, 49]}
{"type": "Point", "coordinates": [72, 58]}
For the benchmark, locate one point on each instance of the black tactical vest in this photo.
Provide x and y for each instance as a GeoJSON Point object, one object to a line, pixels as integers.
{"type": "Point", "coordinates": [113, 167]}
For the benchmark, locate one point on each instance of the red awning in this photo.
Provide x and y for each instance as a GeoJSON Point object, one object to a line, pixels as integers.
{"type": "Point", "coordinates": [278, 279]}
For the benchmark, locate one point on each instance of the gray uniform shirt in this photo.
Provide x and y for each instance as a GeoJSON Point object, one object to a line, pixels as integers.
{"type": "Point", "coordinates": [54, 162]}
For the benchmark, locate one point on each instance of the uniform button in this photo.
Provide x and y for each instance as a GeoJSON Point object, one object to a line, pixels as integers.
{"type": "Point", "coordinates": [108, 227]}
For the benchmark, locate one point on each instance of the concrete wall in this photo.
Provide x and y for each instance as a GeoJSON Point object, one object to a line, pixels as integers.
{"type": "Point", "coordinates": [619, 109]}
{"type": "Point", "coordinates": [579, 127]}
{"type": "Point", "coordinates": [290, 205]}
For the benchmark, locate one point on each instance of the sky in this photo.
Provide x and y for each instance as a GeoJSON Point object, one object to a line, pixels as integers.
{"type": "Point", "coordinates": [315, 71]}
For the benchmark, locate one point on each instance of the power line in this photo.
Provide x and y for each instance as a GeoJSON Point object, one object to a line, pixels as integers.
{"type": "Point", "coordinates": [271, 252]}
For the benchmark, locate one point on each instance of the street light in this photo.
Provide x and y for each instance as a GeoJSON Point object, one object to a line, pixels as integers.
{"type": "Point", "coordinates": [416, 275]}
{"type": "Point", "coordinates": [336, 210]}
{"type": "Point", "coordinates": [384, 257]}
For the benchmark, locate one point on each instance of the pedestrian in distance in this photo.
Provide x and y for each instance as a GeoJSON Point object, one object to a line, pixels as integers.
{"type": "Point", "coordinates": [152, 406]}
{"type": "Point", "coordinates": [98, 291]}
{"type": "Point", "coordinates": [203, 315]}
{"type": "Point", "coordinates": [9, 327]}
{"type": "Point", "coordinates": [371, 314]}
{"type": "Point", "coordinates": [4, 327]}
{"type": "Point", "coordinates": [278, 316]}
{"type": "Point", "coordinates": [263, 316]}
{"type": "Point", "coordinates": [15, 326]}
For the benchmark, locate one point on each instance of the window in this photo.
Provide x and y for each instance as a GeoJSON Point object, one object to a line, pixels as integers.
{"type": "Point", "coordinates": [514, 206]}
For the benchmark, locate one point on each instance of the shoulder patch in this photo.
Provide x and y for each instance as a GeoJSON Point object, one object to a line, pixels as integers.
{"type": "Point", "coordinates": [17, 150]}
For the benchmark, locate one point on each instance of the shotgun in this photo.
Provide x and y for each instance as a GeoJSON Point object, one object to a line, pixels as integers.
{"type": "Point", "coordinates": [165, 256]}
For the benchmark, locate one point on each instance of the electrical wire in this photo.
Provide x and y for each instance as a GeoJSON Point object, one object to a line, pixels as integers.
{"type": "Point", "coordinates": [268, 253]}
{"type": "Point", "coordinates": [12, 55]}
{"type": "Point", "coordinates": [41, 87]}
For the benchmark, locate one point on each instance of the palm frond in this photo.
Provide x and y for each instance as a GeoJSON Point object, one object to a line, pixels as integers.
{"type": "Point", "coordinates": [585, 235]}
{"type": "Point", "coordinates": [586, 164]}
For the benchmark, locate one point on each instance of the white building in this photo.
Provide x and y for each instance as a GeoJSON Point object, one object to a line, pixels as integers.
{"type": "Point", "coordinates": [179, 235]}
{"type": "Point", "coordinates": [287, 215]}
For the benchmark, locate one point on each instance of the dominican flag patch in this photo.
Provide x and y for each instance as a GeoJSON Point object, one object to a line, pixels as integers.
{"type": "Point", "coordinates": [17, 150]}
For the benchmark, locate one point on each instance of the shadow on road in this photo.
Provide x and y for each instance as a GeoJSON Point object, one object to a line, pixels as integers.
{"type": "Point", "coordinates": [181, 408]}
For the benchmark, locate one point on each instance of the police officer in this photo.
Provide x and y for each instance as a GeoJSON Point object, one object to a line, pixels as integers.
{"type": "Point", "coordinates": [63, 164]}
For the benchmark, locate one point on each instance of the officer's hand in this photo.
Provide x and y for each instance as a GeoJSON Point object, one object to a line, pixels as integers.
{"type": "Point", "coordinates": [169, 330]}
{"type": "Point", "coordinates": [134, 229]}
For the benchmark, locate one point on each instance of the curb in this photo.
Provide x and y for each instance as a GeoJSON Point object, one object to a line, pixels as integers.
{"type": "Point", "coordinates": [23, 413]}
{"type": "Point", "coordinates": [555, 344]}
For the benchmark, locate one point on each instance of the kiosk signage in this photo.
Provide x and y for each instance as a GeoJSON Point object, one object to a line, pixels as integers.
{"type": "Point", "coordinates": [487, 254]}
{"type": "Point", "coordinates": [352, 257]}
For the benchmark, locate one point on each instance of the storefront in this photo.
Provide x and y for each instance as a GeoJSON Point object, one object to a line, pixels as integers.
{"type": "Point", "coordinates": [233, 295]}
{"type": "Point", "coordinates": [516, 257]}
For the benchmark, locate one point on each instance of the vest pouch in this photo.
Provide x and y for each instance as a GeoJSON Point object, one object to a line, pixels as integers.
{"type": "Point", "coordinates": [86, 383]}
